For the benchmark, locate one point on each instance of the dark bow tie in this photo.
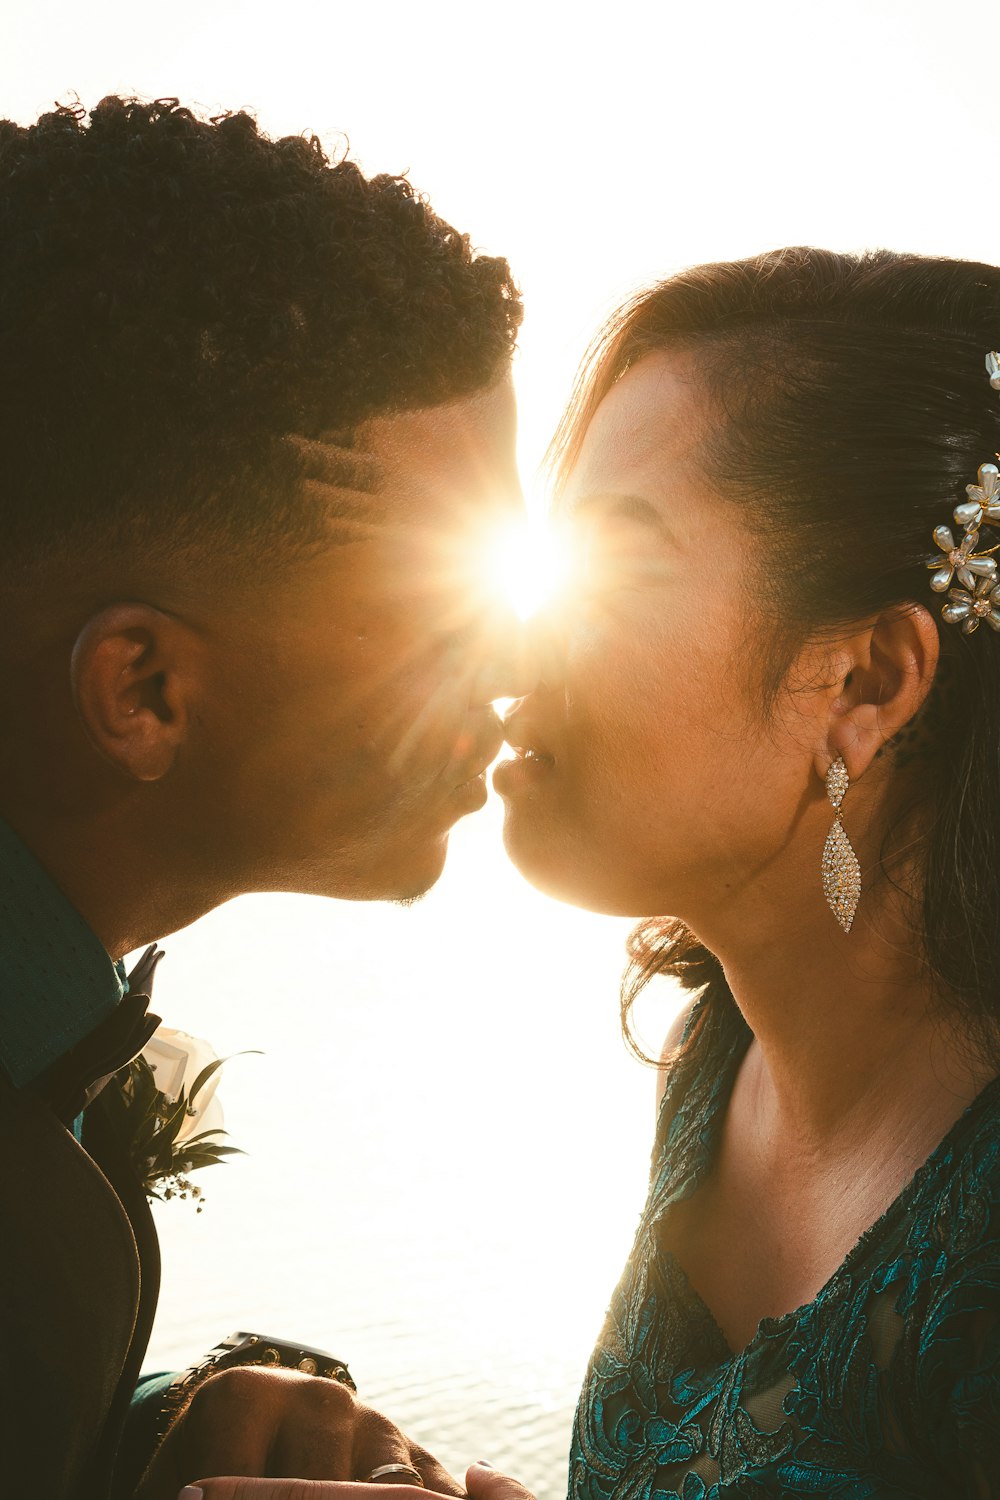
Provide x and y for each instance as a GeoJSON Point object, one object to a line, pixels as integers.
{"type": "Point", "coordinates": [76, 1078]}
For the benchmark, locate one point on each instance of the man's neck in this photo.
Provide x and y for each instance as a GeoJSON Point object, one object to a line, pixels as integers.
{"type": "Point", "coordinates": [116, 874]}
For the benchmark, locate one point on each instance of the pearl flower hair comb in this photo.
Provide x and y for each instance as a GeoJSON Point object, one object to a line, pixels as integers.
{"type": "Point", "coordinates": [977, 597]}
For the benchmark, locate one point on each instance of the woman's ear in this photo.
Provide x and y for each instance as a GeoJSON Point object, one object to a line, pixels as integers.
{"type": "Point", "coordinates": [131, 675]}
{"type": "Point", "coordinates": [884, 674]}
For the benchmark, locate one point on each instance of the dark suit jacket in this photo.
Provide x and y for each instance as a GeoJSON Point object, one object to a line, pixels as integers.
{"type": "Point", "coordinates": [79, 1278]}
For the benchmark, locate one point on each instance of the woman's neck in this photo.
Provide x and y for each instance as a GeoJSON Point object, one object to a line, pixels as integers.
{"type": "Point", "coordinates": [850, 1043]}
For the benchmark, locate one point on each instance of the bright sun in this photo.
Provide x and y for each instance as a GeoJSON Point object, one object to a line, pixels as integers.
{"type": "Point", "coordinates": [527, 564]}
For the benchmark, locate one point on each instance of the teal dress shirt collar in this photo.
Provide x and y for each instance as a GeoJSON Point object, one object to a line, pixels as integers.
{"type": "Point", "coordinates": [57, 982]}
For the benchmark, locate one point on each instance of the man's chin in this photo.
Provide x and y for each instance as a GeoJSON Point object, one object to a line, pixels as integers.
{"type": "Point", "coordinates": [403, 877]}
{"type": "Point", "coordinates": [418, 885]}
{"type": "Point", "coordinates": [409, 900]}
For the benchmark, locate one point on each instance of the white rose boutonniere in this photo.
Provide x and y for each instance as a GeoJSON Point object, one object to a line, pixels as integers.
{"type": "Point", "coordinates": [172, 1116]}
{"type": "Point", "coordinates": [178, 1060]}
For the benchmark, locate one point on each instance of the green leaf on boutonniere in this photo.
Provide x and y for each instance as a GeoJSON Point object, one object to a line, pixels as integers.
{"type": "Point", "coordinates": [152, 1125]}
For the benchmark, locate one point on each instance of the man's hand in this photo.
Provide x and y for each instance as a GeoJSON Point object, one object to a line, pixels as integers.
{"type": "Point", "coordinates": [484, 1483]}
{"type": "Point", "coordinates": [268, 1423]}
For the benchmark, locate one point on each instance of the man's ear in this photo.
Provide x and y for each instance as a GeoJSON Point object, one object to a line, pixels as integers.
{"type": "Point", "coordinates": [131, 676]}
{"type": "Point", "coordinates": [884, 674]}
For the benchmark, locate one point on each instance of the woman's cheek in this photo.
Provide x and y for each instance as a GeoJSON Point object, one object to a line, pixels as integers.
{"type": "Point", "coordinates": [603, 637]}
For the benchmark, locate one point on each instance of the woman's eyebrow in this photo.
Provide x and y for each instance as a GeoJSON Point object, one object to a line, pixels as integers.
{"type": "Point", "coordinates": [628, 507]}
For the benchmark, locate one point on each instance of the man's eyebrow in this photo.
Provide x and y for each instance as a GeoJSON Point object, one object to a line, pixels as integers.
{"type": "Point", "coordinates": [628, 507]}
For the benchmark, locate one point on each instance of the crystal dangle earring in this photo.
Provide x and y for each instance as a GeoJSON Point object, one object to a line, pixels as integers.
{"type": "Point", "coordinates": [841, 871]}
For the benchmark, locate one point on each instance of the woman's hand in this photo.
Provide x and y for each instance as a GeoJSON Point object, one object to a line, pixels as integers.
{"type": "Point", "coordinates": [256, 1423]}
{"type": "Point", "coordinates": [484, 1483]}
{"type": "Point", "coordinates": [294, 1489]}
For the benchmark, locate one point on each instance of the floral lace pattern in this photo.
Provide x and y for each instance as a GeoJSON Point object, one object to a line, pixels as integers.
{"type": "Point", "coordinates": [886, 1386]}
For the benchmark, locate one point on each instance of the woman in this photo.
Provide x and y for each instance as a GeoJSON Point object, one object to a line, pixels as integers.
{"type": "Point", "coordinates": [752, 678]}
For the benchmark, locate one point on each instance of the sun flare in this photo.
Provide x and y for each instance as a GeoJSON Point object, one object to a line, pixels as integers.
{"type": "Point", "coordinates": [527, 564]}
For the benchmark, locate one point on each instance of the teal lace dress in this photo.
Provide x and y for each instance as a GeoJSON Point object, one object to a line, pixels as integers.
{"type": "Point", "coordinates": [886, 1386]}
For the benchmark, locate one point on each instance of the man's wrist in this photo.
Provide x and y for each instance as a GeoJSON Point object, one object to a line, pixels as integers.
{"type": "Point", "coordinates": [241, 1349]}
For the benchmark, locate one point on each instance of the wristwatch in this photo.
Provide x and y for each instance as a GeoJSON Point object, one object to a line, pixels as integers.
{"type": "Point", "coordinates": [248, 1349]}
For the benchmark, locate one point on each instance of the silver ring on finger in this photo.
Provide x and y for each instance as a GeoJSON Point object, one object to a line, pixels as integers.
{"type": "Point", "coordinates": [392, 1474]}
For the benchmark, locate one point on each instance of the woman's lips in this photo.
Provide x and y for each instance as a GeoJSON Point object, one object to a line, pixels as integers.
{"type": "Point", "coordinates": [532, 760]}
{"type": "Point", "coordinates": [529, 752]}
{"type": "Point", "coordinates": [528, 768]}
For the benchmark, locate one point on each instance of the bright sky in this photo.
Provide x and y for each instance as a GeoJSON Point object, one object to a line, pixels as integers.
{"type": "Point", "coordinates": [596, 148]}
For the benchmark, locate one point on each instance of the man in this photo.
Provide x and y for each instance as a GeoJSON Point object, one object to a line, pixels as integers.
{"type": "Point", "coordinates": [256, 414]}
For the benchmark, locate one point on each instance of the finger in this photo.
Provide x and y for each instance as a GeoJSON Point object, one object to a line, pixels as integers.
{"type": "Point", "coordinates": [236, 1488]}
{"type": "Point", "coordinates": [486, 1483]}
{"type": "Point", "coordinates": [434, 1475]}
{"type": "Point", "coordinates": [377, 1444]}
{"type": "Point", "coordinates": [317, 1433]}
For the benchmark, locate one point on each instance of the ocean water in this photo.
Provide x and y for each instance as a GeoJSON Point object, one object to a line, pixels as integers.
{"type": "Point", "coordinates": [447, 1147]}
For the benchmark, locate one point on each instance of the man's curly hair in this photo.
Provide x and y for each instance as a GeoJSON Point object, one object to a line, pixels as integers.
{"type": "Point", "coordinates": [177, 294]}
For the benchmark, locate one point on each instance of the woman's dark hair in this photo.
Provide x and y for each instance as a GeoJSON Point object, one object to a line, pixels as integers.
{"type": "Point", "coordinates": [853, 408]}
{"type": "Point", "coordinates": [178, 294]}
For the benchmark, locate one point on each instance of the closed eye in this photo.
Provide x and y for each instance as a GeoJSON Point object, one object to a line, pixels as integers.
{"type": "Point", "coordinates": [614, 552]}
